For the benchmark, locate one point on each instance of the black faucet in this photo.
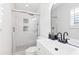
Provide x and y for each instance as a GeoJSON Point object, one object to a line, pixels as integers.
{"type": "Point", "coordinates": [65, 40]}
{"type": "Point", "coordinates": [49, 35]}
{"type": "Point", "coordinates": [59, 39]}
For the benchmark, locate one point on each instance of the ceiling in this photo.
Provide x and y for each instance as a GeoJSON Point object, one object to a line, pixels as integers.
{"type": "Point", "coordinates": [57, 5]}
{"type": "Point", "coordinates": [32, 7]}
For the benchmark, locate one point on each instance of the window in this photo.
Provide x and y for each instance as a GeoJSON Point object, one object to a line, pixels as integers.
{"type": "Point", "coordinates": [75, 17]}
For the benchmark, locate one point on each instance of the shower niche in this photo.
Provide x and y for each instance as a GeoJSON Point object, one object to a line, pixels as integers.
{"type": "Point", "coordinates": [25, 26]}
{"type": "Point", "coordinates": [25, 21]}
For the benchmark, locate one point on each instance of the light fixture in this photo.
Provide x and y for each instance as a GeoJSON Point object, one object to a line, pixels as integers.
{"type": "Point", "coordinates": [26, 5]}
{"type": "Point", "coordinates": [54, 3]}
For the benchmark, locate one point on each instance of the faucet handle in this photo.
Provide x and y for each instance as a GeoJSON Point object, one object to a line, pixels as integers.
{"type": "Point", "coordinates": [59, 39]}
{"type": "Point", "coordinates": [66, 40]}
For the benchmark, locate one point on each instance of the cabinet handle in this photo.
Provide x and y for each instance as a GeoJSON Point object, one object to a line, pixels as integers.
{"type": "Point", "coordinates": [56, 49]}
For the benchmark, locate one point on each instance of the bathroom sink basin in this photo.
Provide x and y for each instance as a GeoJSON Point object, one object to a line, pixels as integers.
{"type": "Point", "coordinates": [57, 48]}
{"type": "Point", "coordinates": [67, 49]}
{"type": "Point", "coordinates": [63, 49]}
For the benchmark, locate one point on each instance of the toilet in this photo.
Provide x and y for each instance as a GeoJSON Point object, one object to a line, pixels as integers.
{"type": "Point", "coordinates": [31, 51]}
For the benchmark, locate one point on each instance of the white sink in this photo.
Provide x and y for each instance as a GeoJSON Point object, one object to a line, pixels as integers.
{"type": "Point", "coordinates": [67, 49]}
{"type": "Point", "coordinates": [63, 49]}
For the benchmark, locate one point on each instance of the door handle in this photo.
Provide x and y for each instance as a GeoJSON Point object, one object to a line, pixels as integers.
{"type": "Point", "coordinates": [13, 29]}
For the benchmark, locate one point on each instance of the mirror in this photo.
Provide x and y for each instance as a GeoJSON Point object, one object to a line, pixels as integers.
{"type": "Point", "coordinates": [62, 17]}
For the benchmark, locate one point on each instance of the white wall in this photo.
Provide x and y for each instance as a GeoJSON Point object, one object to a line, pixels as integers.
{"type": "Point", "coordinates": [5, 29]}
{"type": "Point", "coordinates": [63, 20]}
{"type": "Point", "coordinates": [45, 18]}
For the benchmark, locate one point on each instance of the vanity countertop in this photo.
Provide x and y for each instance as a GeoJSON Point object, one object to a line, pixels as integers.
{"type": "Point", "coordinates": [50, 45]}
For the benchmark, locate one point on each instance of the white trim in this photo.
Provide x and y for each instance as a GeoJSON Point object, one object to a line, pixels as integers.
{"type": "Point", "coordinates": [72, 20]}
{"type": "Point", "coordinates": [22, 11]}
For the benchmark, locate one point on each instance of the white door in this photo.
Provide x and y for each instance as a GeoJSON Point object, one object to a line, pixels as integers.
{"type": "Point", "coordinates": [25, 30]}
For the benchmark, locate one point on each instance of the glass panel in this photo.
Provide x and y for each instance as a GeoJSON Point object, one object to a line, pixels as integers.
{"type": "Point", "coordinates": [76, 20]}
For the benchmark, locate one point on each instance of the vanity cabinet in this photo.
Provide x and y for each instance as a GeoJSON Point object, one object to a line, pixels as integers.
{"type": "Point", "coordinates": [46, 47]}
{"type": "Point", "coordinates": [53, 47]}
{"type": "Point", "coordinates": [42, 50]}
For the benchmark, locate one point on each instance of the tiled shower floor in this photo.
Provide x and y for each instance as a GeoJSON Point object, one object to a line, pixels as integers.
{"type": "Point", "coordinates": [20, 50]}
{"type": "Point", "coordinates": [20, 53]}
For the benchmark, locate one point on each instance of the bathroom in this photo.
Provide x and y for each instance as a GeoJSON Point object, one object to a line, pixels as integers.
{"type": "Point", "coordinates": [25, 28]}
